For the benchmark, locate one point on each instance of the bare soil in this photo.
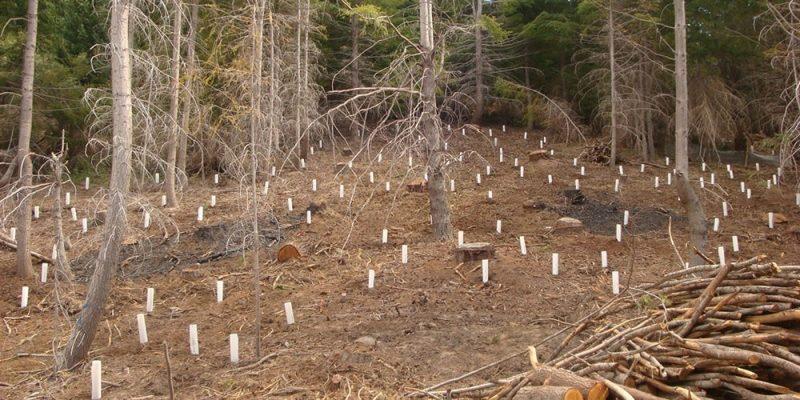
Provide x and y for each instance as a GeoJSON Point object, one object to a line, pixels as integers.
{"type": "Point", "coordinates": [431, 319]}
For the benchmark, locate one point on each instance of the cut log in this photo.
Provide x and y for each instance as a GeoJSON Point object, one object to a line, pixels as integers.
{"type": "Point", "coordinates": [474, 252]}
{"type": "Point", "coordinates": [288, 252]}
{"type": "Point", "coordinates": [548, 393]}
{"type": "Point", "coordinates": [783, 316]}
{"type": "Point", "coordinates": [5, 240]}
{"type": "Point", "coordinates": [542, 374]}
{"type": "Point", "coordinates": [417, 186]}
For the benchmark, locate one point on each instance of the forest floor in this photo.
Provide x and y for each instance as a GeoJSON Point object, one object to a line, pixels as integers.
{"type": "Point", "coordinates": [431, 319]}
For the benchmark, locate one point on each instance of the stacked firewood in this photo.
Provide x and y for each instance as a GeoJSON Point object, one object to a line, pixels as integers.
{"type": "Point", "coordinates": [707, 332]}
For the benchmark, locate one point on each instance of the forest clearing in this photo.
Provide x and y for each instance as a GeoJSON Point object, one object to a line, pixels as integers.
{"type": "Point", "coordinates": [385, 199]}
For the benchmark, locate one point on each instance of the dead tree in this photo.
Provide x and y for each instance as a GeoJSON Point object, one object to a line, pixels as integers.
{"type": "Point", "coordinates": [174, 89]}
{"type": "Point", "coordinates": [62, 268]}
{"type": "Point", "coordinates": [255, 129]}
{"type": "Point", "coordinates": [431, 127]}
{"type": "Point", "coordinates": [355, 65]}
{"type": "Point", "coordinates": [188, 90]}
{"type": "Point", "coordinates": [681, 92]}
{"type": "Point", "coordinates": [24, 265]}
{"type": "Point", "coordinates": [477, 6]}
{"type": "Point", "coordinates": [612, 65]}
{"type": "Point", "coordinates": [83, 333]}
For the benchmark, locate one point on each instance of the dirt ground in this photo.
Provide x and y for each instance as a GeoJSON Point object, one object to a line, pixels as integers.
{"type": "Point", "coordinates": [431, 319]}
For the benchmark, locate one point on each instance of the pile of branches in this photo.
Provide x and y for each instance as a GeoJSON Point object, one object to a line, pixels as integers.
{"type": "Point", "coordinates": [597, 152]}
{"type": "Point", "coordinates": [706, 332]}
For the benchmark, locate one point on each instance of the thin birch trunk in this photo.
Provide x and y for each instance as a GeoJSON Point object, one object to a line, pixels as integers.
{"type": "Point", "coordinates": [24, 265]}
{"type": "Point", "coordinates": [85, 328]}
{"type": "Point", "coordinates": [174, 89]}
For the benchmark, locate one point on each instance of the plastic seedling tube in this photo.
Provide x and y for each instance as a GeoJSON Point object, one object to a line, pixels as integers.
{"type": "Point", "coordinates": [97, 380]}
{"type": "Point", "coordinates": [158, 178]}
{"type": "Point", "coordinates": [73, 213]}
{"type": "Point", "coordinates": [13, 233]}
{"type": "Point", "coordinates": [489, 195]}
{"type": "Point", "coordinates": [36, 212]}
{"type": "Point", "coordinates": [656, 183]}
{"type": "Point", "coordinates": [749, 194]}
{"type": "Point", "coordinates": [273, 171]}
{"type": "Point", "coordinates": [626, 217]}
{"type": "Point", "coordinates": [341, 191]}
{"type": "Point", "coordinates": [314, 183]}
{"type": "Point", "coordinates": [233, 340]}
{"type": "Point", "coordinates": [287, 308]}
{"type": "Point", "coordinates": [380, 157]}
{"type": "Point", "coordinates": [86, 183]}
{"type": "Point", "coordinates": [23, 303]}
{"type": "Point", "coordinates": [742, 187]}
{"type": "Point", "coordinates": [490, 133]}
{"type": "Point", "coordinates": [604, 259]}
{"type": "Point", "coordinates": [146, 220]}
{"type": "Point", "coordinates": [621, 171]}
{"type": "Point", "coordinates": [583, 170]}
{"type": "Point", "coordinates": [213, 200]}
{"type": "Point", "coordinates": [619, 232]}
{"type": "Point", "coordinates": [669, 178]}
{"type": "Point", "coordinates": [452, 185]}
{"type": "Point", "coordinates": [504, 128]}
{"type": "Point", "coordinates": [667, 160]}
{"type": "Point", "coordinates": [577, 184]}
{"type": "Point", "coordinates": [495, 142]}
{"type": "Point", "coordinates": [312, 150]}
{"type": "Point", "coordinates": [716, 224]}
{"type": "Point", "coordinates": [410, 161]}
{"type": "Point", "coordinates": [371, 178]}
{"type": "Point", "coordinates": [771, 220]}
{"type": "Point", "coordinates": [724, 208]}
{"type": "Point", "coordinates": [499, 226]}
{"type": "Point", "coordinates": [704, 167]}
{"type": "Point", "coordinates": [615, 282]}
{"type": "Point", "coordinates": [521, 172]}
{"type": "Point", "coordinates": [194, 344]}
{"type": "Point", "coordinates": [43, 274]}
{"type": "Point", "coordinates": [463, 132]}
{"type": "Point", "coordinates": [575, 162]}
{"type": "Point", "coordinates": [220, 291]}
{"type": "Point", "coordinates": [371, 279]}
{"type": "Point", "coordinates": [350, 164]}
{"type": "Point", "coordinates": [735, 243]}
{"type": "Point", "coordinates": [142, 327]}
{"type": "Point", "coordinates": [797, 199]}
{"type": "Point", "coordinates": [289, 204]}
{"type": "Point", "coordinates": [702, 182]}
{"type": "Point", "coordinates": [150, 298]}
{"type": "Point", "coordinates": [485, 270]}
{"type": "Point", "coordinates": [616, 185]}
{"type": "Point", "coordinates": [478, 178]}
{"type": "Point", "coordinates": [163, 200]}
{"type": "Point", "coordinates": [308, 217]}
{"type": "Point", "coordinates": [84, 225]}
{"type": "Point", "coordinates": [769, 184]}
{"type": "Point", "coordinates": [404, 254]}
{"type": "Point", "coordinates": [758, 167]}
{"type": "Point", "coordinates": [200, 213]}
{"type": "Point", "coordinates": [388, 186]}
{"type": "Point", "coordinates": [730, 174]}
{"type": "Point", "coordinates": [642, 168]}
{"type": "Point", "coordinates": [550, 179]}
{"type": "Point", "coordinates": [303, 163]}
{"type": "Point", "coordinates": [516, 162]}
{"type": "Point", "coordinates": [525, 136]}
{"type": "Point", "coordinates": [541, 144]}
{"type": "Point", "coordinates": [523, 249]}
{"type": "Point", "coordinates": [216, 179]}
{"type": "Point", "coordinates": [385, 236]}
{"type": "Point", "coordinates": [552, 152]}
{"type": "Point", "coordinates": [721, 255]}
{"type": "Point", "coordinates": [555, 264]}
{"type": "Point", "coordinates": [488, 170]}
{"type": "Point", "coordinates": [713, 179]}
{"type": "Point", "coordinates": [460, 238]}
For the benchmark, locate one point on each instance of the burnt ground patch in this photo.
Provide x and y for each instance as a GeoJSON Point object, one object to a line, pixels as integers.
{"type": "Point", "coordinates": [602, 217]}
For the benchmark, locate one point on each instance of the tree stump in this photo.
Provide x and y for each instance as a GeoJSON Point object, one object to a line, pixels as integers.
{"type": "Point", "coordinates": [474, 252]}
{"type": "Point", "coordinates": [288, 252]}
{"type": "Point", "coordinates": [537, 155]}
{"type": "Point", "coordinates": [548, 393]}
{"type": "Point", "coordinates": [417, 185]}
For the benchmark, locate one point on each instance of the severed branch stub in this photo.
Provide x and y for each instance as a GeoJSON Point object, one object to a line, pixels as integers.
{"type": "Point", "coordinates": [474, 252]}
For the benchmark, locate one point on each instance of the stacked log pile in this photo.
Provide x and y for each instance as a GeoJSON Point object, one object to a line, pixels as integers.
{"type": "Point", "coordinates": [705, 332]}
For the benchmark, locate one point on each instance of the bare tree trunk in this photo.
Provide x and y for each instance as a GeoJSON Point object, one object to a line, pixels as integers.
{"type": "Point", "coordinates": [62, 268]}
{"type": "Point", "coordinates": [299, 79]}
{"type": "Point", "coordinates": [305, 143]}
{"type": "Point", "coordinates": [24, 265]}
{"type": "Point", "coordinates": [188, 90]}
{"type": "Point", "coordinates": [440, 211]}
{"type": "Point", "coordinates": [528, 94]}
{"type": "Point", "coordinates": [698, 231]}
{"type": "Point", "coordinates": [355, 65]}
{"type": "Point", "coordinates": [681, 91]}
{"type": "Point", "coordinates": [612, 56]}
{"type": "Point", "coordinates": [477, 6]}
{"type": "Point", "coordinates": [174, 89]}
{"type": "Point", "coordinates": [255, 130]}
{"type": "Point", "coordinates": [85, 328]}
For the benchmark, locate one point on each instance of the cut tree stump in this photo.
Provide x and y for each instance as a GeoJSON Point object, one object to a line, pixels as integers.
{"type": "Point", "coordinates": [288, 252]}
{"type": "Point", "coordinates": [548, 393]}
{"type": "Point", "coordinates": [474, 252]}
{"type": "Point", "coordinates": [537, 155]}
{"type": "Point", "coordinates": [417, 185]}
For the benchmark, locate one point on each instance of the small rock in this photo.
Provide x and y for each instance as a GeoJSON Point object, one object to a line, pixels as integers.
{"type": "Point", "coordinates": [366, 341]}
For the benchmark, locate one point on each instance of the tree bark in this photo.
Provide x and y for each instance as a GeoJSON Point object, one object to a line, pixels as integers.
{"type": "Point", "coordinates": [355, 64]}
{"type": "Point", "coordinates": [188, 91]}
{"type": "Point", "coordinates": [612, 61]}
{"type": "Point", "coordinates": [477, 116]}
{"type": "Point", "coordinates": [681, 91]}
{"type": "Point", "coordinates": [440, 211]}
{"type": "Point", "coordinates": [85, 328]}
{"type": "Point", "coordinates": [548, 393]}
{"type": "Point", "coordinates": [255, 130]}
{"type": "Point", "coordinates": [698, 231]}
{"type": "Point", "coordinates": [174, 89]}
{"type": "Point", "coordinates": [24, 265]}
{"type": "Point", "coordinates": [61, 266]}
